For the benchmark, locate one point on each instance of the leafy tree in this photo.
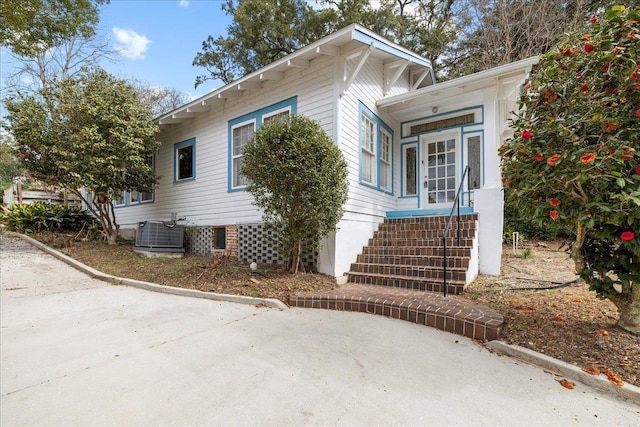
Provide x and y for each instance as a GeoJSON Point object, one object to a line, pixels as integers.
{"type": "Point", "coordinates": [263, 31]}
{"type": "Point", "coordinates": [28, 26]}
{"type": "Point", "coordinates": [9, 165]}
{"type": "Point", "coordinates": [299, 178]}
{"type": "Point", "coordinates": [90, 135]}
{"type": "Point", "coordinates": [160, 100]}
{"type": "Point", "coordinates": [575, 158]}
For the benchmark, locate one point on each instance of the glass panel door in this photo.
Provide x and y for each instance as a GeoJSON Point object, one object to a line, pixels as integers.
{"type": "Point", "coordinates": [439, 166]}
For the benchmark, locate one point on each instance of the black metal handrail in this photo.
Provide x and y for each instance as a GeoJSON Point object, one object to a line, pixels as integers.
{"type": "Point", "coordinates": [456, 202]}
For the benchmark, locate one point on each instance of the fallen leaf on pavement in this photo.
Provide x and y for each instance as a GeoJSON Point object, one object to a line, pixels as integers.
{"type": "Point", "coordinates": [558, 318]}
{"type": "Point", "coordinates": [602, 332]}
{"type": "Point", "coordinates": [613, 378]}
{"type": "Point", "coordinates": [567, 384]}
{"type": "Point", "coordinates": [593, 370]}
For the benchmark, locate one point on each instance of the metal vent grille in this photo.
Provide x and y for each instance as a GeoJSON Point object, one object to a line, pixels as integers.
{"type": "Point", "coordinates": [159, 234]}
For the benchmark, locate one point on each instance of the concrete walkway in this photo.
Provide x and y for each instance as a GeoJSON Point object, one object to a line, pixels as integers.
{"type": "Point", "coordinates": [78, 351]}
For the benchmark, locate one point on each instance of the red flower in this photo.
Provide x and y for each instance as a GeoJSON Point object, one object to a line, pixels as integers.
{"type": "Point", "coordinates": [628, 236]}
{"type": "Point", "coordinates": [584, 88]}
{"type": "Point", "coordinates": [638, 113]}
{"type": "Point", "coordinates": [599, 146]}
{"type": "Point", "coordinates": [588, 158]}
{"type": "Point", "coordinates": [538, 157]}
{"type": "Point", "coordinates": [22, 155]}
{"type": "Point", "coordinates": [551, 161]}
{"type": "Point", "coordinates": [594, 20]}
{"type": "Point", "coordinates": [638, 86]}
{"type": "Point", "coordinates": [527, 134]}
{"type": "Point", "coordinates": [638, 170]}
{"type": "Point", "coordinates": [554, 202]}
{"type": "Point", "coordinates": [554, 215]}
{"type": "Point", "coordinates": [578, 75]}
{"type": "Point", "coordinates": [588, 47]}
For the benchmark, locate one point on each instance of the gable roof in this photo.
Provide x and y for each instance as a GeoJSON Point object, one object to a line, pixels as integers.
{"type": "Point", "coordinates": [509, 75]}
{"type": "Point", "coordinates": [347, 43]}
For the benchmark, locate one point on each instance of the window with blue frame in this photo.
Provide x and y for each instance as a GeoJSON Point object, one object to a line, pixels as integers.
{"type": "Point", "coordinates": [376, 151]}
{"type": "Point", "coordinates": [134, 197]}
{"type": "Point", "coordinates": [241, 131]}
{"type": "Point", "coordinates": [184, 166]}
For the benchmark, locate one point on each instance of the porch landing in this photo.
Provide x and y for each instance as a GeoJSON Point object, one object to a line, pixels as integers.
{"type": "Point", "coordinates": [452, 314]}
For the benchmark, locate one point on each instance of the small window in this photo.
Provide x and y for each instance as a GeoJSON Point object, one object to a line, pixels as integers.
{"type": "Point", "coordinates": [279, 116]}
{"type": "Point", "coordinates": [368, 149]}
{"type": "Point", "coordinates": [220, 238]}
{"type": "Point", "coordinates": [119, 199]}
{"type": "Point", "coordinates": [185, 160]}
{"type": "Point", "coordinates": [385, 160]}
{"type": "Point", "coordinates": [241, 135]}
{"type": "Point", "coordinates": [475, 161]}
{"type": "Point", "coordinates": [410, 171]}
{"type": "Point", "coordinates": [134, 197]}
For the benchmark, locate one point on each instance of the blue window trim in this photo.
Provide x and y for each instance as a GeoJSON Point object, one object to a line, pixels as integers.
{"type": "Point", "coordinates": [127, 195]}
{"type": "Point", "coordinates": [176, 147]}
{"type": "Point", "coordinates": [256, 116]}
{"type": "Point", "coordinates": [379, 125]}
{"type": "Point", "coordinates": [128, 203]}
{"type": "Point", "coordinates": [446, 113]}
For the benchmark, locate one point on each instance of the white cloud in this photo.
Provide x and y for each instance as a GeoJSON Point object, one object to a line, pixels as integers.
{"type": "Point", "coordinates": [183, 3]}
{"type": "Point", "coordinates": [131, 44]}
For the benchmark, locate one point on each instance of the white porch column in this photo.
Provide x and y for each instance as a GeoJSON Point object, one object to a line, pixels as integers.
{"type": "Point", "coordinates": [489, 204]}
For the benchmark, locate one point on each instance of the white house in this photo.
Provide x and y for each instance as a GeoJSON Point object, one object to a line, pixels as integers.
{"type": "Point", "coordinates": [406, 139]}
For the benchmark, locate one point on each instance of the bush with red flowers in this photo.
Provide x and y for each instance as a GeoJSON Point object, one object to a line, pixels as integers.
{"type": "Point", "coordinates": [582, 101]}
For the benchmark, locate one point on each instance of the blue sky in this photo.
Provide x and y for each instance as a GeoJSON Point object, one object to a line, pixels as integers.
{"type": "Point", "coordinates": [157, 40]}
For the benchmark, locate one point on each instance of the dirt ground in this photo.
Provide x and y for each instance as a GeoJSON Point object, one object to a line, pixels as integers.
{"type": "Point", "coordinates": [566, 322]}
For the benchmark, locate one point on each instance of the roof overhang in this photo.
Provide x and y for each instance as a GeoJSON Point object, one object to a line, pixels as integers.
{"type": "Point", "coordinates": [346, 43]}
{"type": "Point", "coordinates": [512, 74]}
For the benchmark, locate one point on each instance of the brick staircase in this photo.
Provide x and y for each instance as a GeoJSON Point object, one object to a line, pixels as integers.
{"type": "Point", "coordinates": [399, 274]}
{"type": "Point", "coordinates": [407, 253]}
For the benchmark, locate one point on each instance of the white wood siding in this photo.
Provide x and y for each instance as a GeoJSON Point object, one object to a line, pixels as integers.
{"type": "Point", "coordinates": [364, 200]}
{"type": "Point", "coordinates": [205, 200]}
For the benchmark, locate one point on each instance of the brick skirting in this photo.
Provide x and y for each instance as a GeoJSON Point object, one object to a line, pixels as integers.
{"type": "Point", "coordinates": [452, 314]}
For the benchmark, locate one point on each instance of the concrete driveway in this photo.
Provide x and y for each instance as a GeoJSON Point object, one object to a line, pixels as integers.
{"type": "Point", "coordinates": [77, 351]}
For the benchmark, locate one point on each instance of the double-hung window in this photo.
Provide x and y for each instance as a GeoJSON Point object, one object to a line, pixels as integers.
{"type": "Point", "coordinates": [376, 148]}
{"type": "Point", "coordinates": [368, 150]}
{"type": "Point", "coordinates": [385, 160]}
{"type": "Point", "coordinates": [241, 130]}
{"type": "Point", "coordinates": [241, 134]}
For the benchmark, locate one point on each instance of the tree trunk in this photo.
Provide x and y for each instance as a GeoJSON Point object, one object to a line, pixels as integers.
{"type": "Point", "coordinates": [576, 249]}
{"type": "Point", "coordinates": [629, 309]}
{"type": "Point", "coordinates": [295, 263]}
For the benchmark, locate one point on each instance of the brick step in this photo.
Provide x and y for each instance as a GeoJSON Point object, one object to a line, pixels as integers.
{"type": "Point", "coordinates": [415, 260]}
{"type": "Point", "coordinates": [451, 242]}
{"type": "Point", "coordinates": [416, 283]}
{"type": "Point", "coordinates": [464, 225]}
{"type": "Point", "coordinates": [416, 272]}
{"type": "Point", "coordinates": [431, 219]}
{"type": "Point", "coordinates": [422, 234]}
{"type": "Point", "coordinates": [437, 251]}
{"type": "Point", "coordinates": [453, 313]}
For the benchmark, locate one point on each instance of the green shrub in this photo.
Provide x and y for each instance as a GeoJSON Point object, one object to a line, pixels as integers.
{"type": "Point", "coordinates": [42, 216]}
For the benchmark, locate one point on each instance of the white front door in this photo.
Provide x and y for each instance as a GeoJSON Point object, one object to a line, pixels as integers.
{"type": "Point", "coordinates": [440, 160]}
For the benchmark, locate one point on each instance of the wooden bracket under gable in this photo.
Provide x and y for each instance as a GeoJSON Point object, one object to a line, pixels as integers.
{"type": "Point", "coordinates": [400, 67]}
{"type": "Point", "coordinates": [362, 55]}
